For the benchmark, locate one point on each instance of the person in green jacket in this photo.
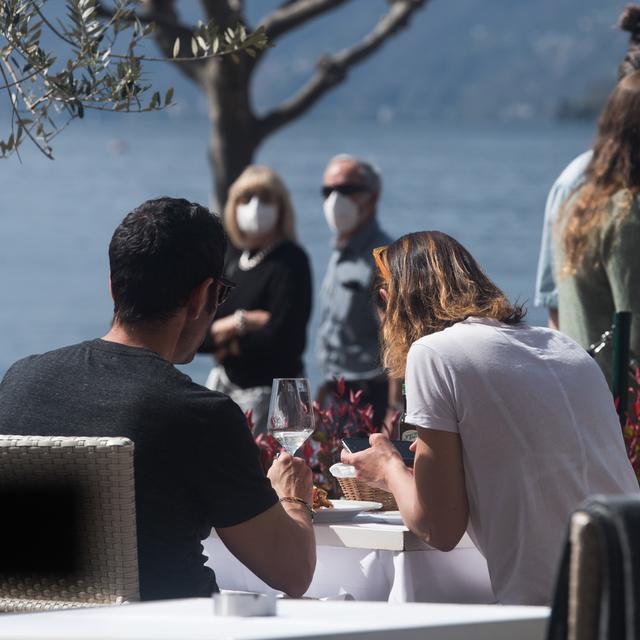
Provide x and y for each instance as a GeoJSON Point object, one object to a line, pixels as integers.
{"type": "Point", "coordinates": [598, 231]}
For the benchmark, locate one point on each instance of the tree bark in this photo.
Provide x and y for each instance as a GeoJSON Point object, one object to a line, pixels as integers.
{"type": "Point", "coordinates": [234, 135]}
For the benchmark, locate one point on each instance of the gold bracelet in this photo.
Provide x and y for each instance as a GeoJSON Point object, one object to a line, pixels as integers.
{"type": "Point", "coordinates": [296, 500]}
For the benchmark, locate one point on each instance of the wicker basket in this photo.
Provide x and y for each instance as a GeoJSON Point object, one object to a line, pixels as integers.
{"type": "Point", "coordinates": [354, 489]}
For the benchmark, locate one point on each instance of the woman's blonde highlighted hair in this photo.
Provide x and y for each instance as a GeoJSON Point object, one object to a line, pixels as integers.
{"type": "Point", "coordinates": [433, 282]}
{"type": "Point", "coordinates": [259, 178]}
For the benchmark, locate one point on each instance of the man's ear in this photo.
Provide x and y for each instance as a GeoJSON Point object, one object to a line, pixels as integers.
{"type": "Point", "coordinates": [110, 287]}
{"type": "Point", "coordinates": [370, 202]}
{"type": "Point", "coordinates": [198, 302]}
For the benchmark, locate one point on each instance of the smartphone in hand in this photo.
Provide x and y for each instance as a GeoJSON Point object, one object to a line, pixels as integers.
{"type": "Point", "coordinates": [355, 445]}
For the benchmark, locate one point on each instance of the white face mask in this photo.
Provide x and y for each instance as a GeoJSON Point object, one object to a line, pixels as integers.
{"type": "Point", "coordinates": [341, 212]}
{"type": "Point", "coordinates": [256, 217]}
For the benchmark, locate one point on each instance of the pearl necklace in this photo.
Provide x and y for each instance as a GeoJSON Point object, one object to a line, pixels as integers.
{"type": "Point", "coordinates": [247, 263]}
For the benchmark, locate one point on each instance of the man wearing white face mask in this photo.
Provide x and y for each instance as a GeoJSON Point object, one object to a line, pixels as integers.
{"type": "Point", "coordinates": [347, 345]}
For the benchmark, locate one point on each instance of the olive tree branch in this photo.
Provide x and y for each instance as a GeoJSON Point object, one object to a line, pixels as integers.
{"type": "Point", "coordinates": [14, 114]}
{"type": "Point", "coordinates": [20, 80]}
{"type": "Point", "coordinates": [292, 14]}
{"type": "Point", "coordinates": [18, 85]}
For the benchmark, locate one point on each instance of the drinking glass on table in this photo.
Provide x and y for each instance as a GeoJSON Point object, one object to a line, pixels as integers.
{"type": "Point", "coordinates": [290, 419]}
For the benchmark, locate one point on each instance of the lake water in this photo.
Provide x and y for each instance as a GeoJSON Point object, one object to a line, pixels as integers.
{"type": "Point", "coordinates": [486, 186]}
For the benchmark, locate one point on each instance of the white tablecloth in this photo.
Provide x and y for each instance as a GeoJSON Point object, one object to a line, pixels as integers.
{"type": "Point", "coordinates": [425, 575]}
{"type": "Point", "coordinates": [306, 620]}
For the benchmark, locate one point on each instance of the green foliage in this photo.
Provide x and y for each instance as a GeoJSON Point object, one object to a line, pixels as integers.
{"type": "Point", "coordinates": [101, 68]}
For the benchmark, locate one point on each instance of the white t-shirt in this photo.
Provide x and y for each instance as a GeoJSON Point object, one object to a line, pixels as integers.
{"type": "Point", "coordinates": [539, 434]}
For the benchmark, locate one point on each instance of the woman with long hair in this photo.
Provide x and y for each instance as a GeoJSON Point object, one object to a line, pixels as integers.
{"type": "Point", "coordinates": [260, 331]}
{"type": "Point", "coordinates": [546, 294]}
{"type": "Point", "coordinates": [515, 423]}
{"type": "Point", "coordinates": [598, 233]}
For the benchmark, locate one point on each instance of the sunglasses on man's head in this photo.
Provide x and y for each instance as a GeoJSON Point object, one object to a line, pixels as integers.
{"type": "Point", "coordinates": [346, 189]}
{"type": "Point", "coordinates": [224, 289]}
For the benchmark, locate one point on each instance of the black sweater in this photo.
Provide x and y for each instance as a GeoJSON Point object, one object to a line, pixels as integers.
{"type": "Point", "coordinates": [281, 285]}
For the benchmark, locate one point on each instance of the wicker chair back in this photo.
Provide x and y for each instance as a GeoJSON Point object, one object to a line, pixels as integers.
{"type": "Point", "coordinates": [100, 471]}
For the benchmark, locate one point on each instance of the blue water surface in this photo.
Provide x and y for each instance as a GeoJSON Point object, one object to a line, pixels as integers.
{"type": "Point", "coordinates": [484, 185]}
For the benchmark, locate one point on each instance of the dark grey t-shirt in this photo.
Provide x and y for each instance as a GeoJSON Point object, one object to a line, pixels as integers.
{"type": "Point", "coordinates": [196, 465]}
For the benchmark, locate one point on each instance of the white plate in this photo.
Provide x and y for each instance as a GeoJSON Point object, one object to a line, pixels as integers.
{"type": "Point", "coordinates": [344, 510]}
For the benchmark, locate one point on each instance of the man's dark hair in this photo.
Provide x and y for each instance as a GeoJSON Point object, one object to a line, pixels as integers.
{"type": "Point", "coordinates": [159, 253]}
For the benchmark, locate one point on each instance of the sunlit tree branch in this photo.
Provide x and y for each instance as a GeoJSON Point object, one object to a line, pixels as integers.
{"type": "Point", "coordinates": [332, 70]}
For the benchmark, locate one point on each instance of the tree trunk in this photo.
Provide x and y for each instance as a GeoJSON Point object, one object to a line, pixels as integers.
{"type": "Point", "coordinates": [234, 135]}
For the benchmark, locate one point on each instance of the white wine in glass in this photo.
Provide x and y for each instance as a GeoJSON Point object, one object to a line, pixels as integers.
{"type": "Point", "coordinates": [291, 412]}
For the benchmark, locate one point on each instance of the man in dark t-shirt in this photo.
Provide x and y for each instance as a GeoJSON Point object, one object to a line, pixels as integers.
{"type": "Point", "coordinates": [196, 465]}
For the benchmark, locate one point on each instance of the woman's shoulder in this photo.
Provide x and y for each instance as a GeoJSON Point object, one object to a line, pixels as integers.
{"type": "Point", "coordinates": [624, 208]}
{"type": "Point", "coordinates": [621, 233]}
{"type": "Point", "coordinates": [463, 335]}
{"type": "Point", "coordinates": [573, 174]}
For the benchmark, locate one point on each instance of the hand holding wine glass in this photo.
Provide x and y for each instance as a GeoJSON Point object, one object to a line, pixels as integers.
{"type": "Point", "coordinates": [291, 412]}
{"type": "Point", "coordinates": [291, 476]}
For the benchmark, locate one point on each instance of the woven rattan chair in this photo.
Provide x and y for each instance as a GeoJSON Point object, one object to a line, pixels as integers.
{"type": "Point", "coordinates": [584, 579]}
{"type": "Point", "coordinates": [100, 471]}
{"type": "Point", "coordinates": [598, 586]}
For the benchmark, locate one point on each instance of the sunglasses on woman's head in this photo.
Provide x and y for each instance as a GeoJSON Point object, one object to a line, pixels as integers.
{"type": "Point", "coordinates": [346, 189]}
{"type": "Point", "coordinates": [224, 289]}
{"type": "Point", "coordinates": [379, 254]}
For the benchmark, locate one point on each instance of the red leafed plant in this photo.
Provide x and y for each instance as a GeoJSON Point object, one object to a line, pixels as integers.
{"type": "Point", "coordinates": [345, 417]}
{"type": "Point", "coordinates": [267, 444]}
{"type": "Point", "coordinates": [631, 429]}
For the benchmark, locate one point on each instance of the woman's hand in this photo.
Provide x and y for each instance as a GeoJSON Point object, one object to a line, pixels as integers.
{"type": "Point", "coordinates": [256, 319]}
{"type": "Point", "coordinates": [376, 463]}
{"type": "Point", "coordinates": [225, 329]}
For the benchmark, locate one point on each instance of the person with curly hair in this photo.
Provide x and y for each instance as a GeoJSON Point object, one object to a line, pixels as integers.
{"type": "Point", "coordinates": [572, 177]}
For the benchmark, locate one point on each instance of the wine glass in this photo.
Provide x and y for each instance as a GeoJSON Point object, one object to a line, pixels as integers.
{"type": "Point", "coordinates": [290, 419]}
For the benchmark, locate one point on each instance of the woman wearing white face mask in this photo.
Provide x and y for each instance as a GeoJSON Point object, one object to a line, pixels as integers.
{"type": "Point", "coordinates": [260, 331]}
